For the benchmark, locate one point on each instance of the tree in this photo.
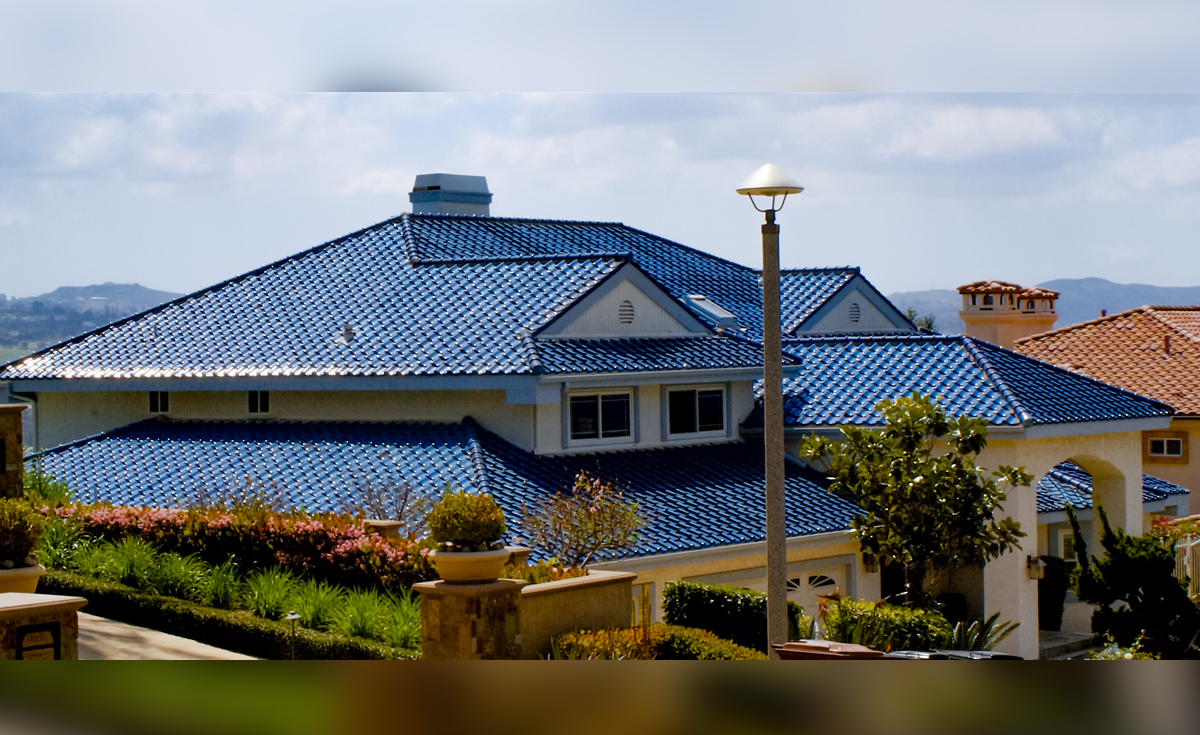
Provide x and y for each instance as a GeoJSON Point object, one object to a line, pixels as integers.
{"type": "Point", "coordinates": [593, 518]}
{"type": "Point", "coordinates": [1138, 571]}
{"type": "Point", "coordinates": [922, 322]}
{"type": "Point", "coordinates": [925, 509]}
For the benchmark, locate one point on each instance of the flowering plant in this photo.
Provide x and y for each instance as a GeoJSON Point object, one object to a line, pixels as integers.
{"type": "Point", "coordinates": [593, 518]}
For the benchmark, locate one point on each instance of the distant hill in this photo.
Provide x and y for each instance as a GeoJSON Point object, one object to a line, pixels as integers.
{"type": "Point", "coordinates": [1080, 299]}
{"type": "Point", "coordinates": [29, 324]}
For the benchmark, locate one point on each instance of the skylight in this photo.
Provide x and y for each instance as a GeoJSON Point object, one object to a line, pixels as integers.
{"type": "Point", "coordinates": [724, 318]}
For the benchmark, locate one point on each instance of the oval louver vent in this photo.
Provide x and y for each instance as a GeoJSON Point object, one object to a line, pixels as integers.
{"type": "Point", "coordinates": [625, 312]}
{"type": "Point", "coordinates": [854, 313]}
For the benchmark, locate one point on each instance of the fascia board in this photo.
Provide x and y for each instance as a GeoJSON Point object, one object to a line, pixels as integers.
{"type": "Point", "coordinates": [631, 273]}
{"type": "Point", "coordinates": [597, 380]}
{"type": "Point", "coordinates": [329, 383]}
{"type": "Point", "coordinates": [1115, 426]}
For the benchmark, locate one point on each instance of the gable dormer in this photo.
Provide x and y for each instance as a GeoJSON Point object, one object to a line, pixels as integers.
{"type": "Point", "coordinates": [856, 308]}
{"type": "Point", "coordinates": [626, 305]}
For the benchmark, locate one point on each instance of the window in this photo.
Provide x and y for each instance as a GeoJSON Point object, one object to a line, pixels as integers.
{"type": "Point", "coordinates": [695, 411]}
{"type": "Point", "coordinates": [160, 401]}
{"type": "Point", "coordinates": [600, 416]}
{"type": "Point", "coordinates": [1165, 447]}
{"type": "Point", "coordinates": [987, 300]}
{"type": "Point", "coordinates": [1066, 545]}
{"type": "Point", "coordinates": [260, 401]}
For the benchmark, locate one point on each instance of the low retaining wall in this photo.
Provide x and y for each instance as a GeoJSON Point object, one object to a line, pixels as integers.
{"type": "Point", "coordinates": [596, 601]}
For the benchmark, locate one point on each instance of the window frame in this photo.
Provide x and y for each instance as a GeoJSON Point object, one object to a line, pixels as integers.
{"type": "Point", "coordinates": [254, 402]}
{"type": "Point", "coordinates": [158, 402]}
{"type": "Point", "coordinates": [726, 412]}
{"type": "Point", "coordinates": [1065, 553]}
{"type": "Point", "coordinates": [1148, 437]}
{"type": "Point", "coordinates": [600, 440]}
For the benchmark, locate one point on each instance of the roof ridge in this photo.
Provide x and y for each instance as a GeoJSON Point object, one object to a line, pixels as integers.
{"type": "Point", "coordinates": [1074, 374]}
{"type": "Point", "coordinates": [992, 374]}
{"type": "Point", "coordinates": [1155, 311]}
{"type": "Point", "coordinates": [203, 291]}
{"type": "Point", "coordinates": [529, 345]}
{"type": "Point", "coordinates": [476, 455]}
{"type": "Point", "coordinates": [1079, 325]}
{"type": "Point", "coordinates": [828, 269]}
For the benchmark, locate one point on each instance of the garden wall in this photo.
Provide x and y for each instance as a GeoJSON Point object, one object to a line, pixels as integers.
{"type": "Point", "coordinates": [597, 601]}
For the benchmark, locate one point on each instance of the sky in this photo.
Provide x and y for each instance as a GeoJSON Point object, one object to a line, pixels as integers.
{"type": "Point", "coordinates": [180, 144]}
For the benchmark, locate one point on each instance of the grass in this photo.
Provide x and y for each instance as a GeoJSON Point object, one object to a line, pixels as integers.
{"type": "Point", "coordinates": [224, 587]}
{"type": "Point", "coordinates": [173, 575]}
{"type": "Point", "coordinates": [269, 592]}
{"type": "Point", "coordinates": [364, 615]}
{"type": "Point", "coordinates": [317, 604]}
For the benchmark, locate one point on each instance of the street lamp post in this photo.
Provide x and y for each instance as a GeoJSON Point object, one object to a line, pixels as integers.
{"type": "Point", "coordinates": [771, 181]}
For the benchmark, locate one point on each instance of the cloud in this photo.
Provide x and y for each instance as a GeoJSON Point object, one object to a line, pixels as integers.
{"type": "Point", "coordinates": [392, 181]}
{"type": "Point", "coordinates": [10, 217]}
{"type": "Point", "coordinates": [1168, 167]}
{"type": "Point", "coordinates": [963, 132]}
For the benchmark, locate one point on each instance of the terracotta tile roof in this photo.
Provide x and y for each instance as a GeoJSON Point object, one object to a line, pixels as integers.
{"type": "Point", "coordinates": [1131, 350]}
{"type": "Point", "coordinates": [1032, 292]}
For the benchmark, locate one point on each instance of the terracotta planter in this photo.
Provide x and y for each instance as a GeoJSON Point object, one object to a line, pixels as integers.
{"type": "Point", "coordinates": [470, 567]}
{"type": "Point", "coordinates": [21, 579]}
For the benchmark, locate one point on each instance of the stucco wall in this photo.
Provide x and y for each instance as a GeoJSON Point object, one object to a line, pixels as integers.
{"type": "Point", "coordinates": [64, 417]}
{"type": "Point", "coordinates": [649, 407]}
{"type": "Point", "coordinates": [1187, 475]}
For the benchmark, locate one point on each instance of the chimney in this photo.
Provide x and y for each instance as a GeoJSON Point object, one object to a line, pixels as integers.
{"type": "Point", "coordinates": [12, 459]}
{"type": "Point", "coordinates": [1002, 313]}
{"type": "Point", "coordinates": [450, 194]}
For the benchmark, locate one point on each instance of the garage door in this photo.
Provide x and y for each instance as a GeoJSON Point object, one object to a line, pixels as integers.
{"type": "Point", "coordinates": [806, 586]}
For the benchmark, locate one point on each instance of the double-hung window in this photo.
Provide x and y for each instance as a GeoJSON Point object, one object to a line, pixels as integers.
{"type": "Point", "coordinates": [696, 412]}
{"type": "Point", "coordinates": [601, 416]}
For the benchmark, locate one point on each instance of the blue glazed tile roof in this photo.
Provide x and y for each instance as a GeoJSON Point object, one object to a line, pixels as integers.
{"type": "Point", "coordinates": [1070, 486]}
{"type": "Point", "coordinates": [802, 292]}
{"type": "Point", "coordinates": [423, 294]}
{"type": "Point", "coordinates": [695, 497]}
{"type": "Point", "coordinates": [841, 379]}
{"type": "Point", "coordinates": [632, 355]}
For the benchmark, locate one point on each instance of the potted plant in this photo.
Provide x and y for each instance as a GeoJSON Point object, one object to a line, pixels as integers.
{"type": "Point", "coordinates": [20, 533]}
{"type": "Point", "coordinates": [467, 529]}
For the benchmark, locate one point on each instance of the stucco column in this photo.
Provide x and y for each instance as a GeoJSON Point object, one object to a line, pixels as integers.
{"type": "Point", "coordinates": [1007, 588]}
{"type": "Point", "coordinates": [1118, 490]}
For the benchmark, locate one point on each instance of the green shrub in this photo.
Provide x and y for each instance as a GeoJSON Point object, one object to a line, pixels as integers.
{"type": "Point", "coordinates": [223, 587]}
{"type": "Point", "coordinates": [364, 614]}
{"type": "Point", "coordinates": [403, 627]}
{"type": "Point", "coordinates": [664, 642]}
{"type": "Point", "coordinates": [20, 533]}
{"type": "Point", "coordinates": [62, 538]}
{"type": "Point", "coordinates": [41, 488]}
{"type": "Point", "coordinates": [542, 572]}
{"type": "Point", "coordinates": [885, 627]}
{"type": "Point", "coordinates": [269, 592]}
{"type": "Point", "coordinates": [178, 576]}
{"type": "Point", "coordinates": [466, 522]}
{"type": "Point", "coordinates": [129, 561]}
{"type": "Point", "coordinates": [317, 603]}
{"type": "Point", "coordinates": [731, 613]}
{"type": "Point", "coordinates": [979, 635]}
{"type": "Point", "coordinates": [233, 631]}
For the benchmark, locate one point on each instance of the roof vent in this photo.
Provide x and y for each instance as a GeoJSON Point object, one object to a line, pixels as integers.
{"type": "Point", "coordinates": [450, 194]}
{"type": "Point", "coordinates": [725, 319]}
{"type": "Point", "coordinates": [625, 312]}
{"type": "Point", "coordinates": [346, 336]}
{"type": "Point", "coordinates": [854, 313]}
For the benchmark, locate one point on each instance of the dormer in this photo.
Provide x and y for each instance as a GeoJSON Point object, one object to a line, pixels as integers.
{"type": "Point", "coordinates": [626, 305]}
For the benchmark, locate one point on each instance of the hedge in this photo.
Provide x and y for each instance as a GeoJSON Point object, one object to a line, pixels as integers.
{"type": "Point", "coordinates": [234, 631]}
{"type": "Point", "coordinates": [734, 614]}
{"type": "Point", "coordinates": [886, 627]}
{"type": "Point", "coordinates": [664, 643]}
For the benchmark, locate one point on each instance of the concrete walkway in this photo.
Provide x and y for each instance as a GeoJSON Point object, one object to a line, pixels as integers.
{"type": "Point", "coordinates": [101, 639]}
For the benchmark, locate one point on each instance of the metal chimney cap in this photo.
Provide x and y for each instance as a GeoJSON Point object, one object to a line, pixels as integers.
{"type": "Point", "coordinates": [456, 183]}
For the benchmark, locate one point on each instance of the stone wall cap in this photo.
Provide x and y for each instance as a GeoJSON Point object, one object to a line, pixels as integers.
{"type": "Point", "coordinates": [594, 578]}
{"type": "Point", "coordinates": [12, 407]}
{"type": "Point", "coordinates": [442, 588]}
{"type": "Point", "coordinates": [26, 604]}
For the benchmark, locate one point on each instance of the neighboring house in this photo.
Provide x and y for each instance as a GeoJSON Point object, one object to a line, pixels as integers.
{"type": "Point", "coordinates": [1153, 351]}
{"type": "Point", "coordinates": [507, 355]}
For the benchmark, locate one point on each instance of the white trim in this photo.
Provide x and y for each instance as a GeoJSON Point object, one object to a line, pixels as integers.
{"type": "Point", "coordinates": [631, 273]}
{"type": "Point", "coordinates": [693, 435]}
{"type": "Point", "coordinates": [601, 441]}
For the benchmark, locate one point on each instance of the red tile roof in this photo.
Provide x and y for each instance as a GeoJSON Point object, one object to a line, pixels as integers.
{"type": "Point", "coordinates": [1154, 351]}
